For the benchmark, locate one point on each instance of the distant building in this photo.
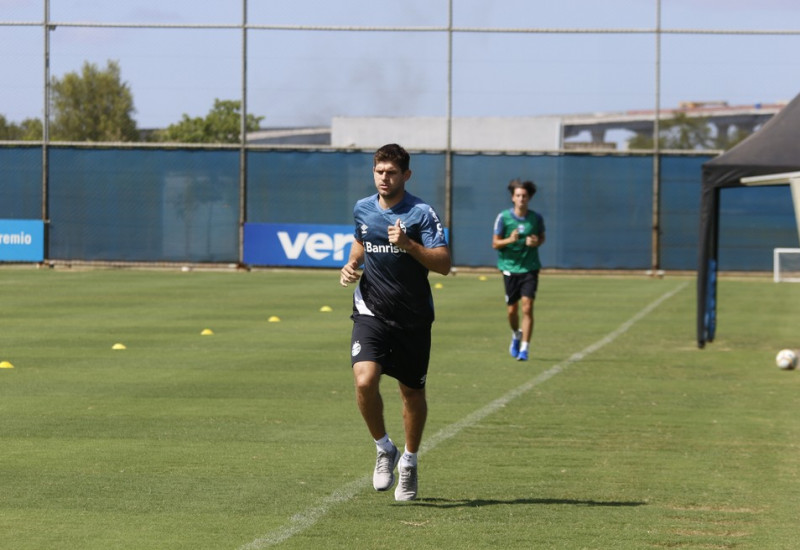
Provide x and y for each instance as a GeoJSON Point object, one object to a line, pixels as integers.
{"type": "Point", "coordinates": [488, 133]}
{"type": "Point", "coordinates": [535, 133]}
{"type": "Point", "coordinates": [291, 136]}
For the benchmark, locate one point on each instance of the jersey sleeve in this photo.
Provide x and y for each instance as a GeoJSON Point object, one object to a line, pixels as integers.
{"type": "Point", "coordinates": [358, 216]}
{"type": "Point", "coordinates": [431, 229]}
{"type": "Point", "coordinates": [498, 225]}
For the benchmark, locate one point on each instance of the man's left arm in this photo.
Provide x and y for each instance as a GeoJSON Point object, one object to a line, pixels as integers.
{"type": "Point", "coordinates": [434, 259]}
{"type": "Point", "coordinates": [540, 238]}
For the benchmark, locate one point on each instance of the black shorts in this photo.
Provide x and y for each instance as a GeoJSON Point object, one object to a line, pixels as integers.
{"type": "Point", "coordinates": [521, 284]}
{"type": "Point", "coordinates": [403, 354]}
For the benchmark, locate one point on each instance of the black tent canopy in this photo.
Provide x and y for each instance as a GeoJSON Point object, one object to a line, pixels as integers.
{"type": "Point", "coordinates": [774, 149]}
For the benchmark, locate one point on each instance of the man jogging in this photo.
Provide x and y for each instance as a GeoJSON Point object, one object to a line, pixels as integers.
{"type": "Point", "coordinates": [398, 240]}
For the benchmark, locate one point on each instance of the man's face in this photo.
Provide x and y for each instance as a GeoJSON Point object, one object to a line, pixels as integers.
{"type": "Point", "coordinates": [520, 198]}
{"type": "Point", "coordinates": [389, 180]}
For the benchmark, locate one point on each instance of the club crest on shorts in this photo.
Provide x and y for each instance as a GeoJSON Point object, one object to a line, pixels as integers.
{"type": "Point", "coordinates": [356, 348]}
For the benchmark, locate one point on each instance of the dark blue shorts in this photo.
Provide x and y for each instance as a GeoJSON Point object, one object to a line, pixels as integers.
{"type": "Point", "coordinates": [402, 353]}
{"type": "Point", "coordinates": [521, 284]}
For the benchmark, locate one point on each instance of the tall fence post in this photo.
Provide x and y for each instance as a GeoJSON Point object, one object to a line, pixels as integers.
{"type": "Point", "coordinates": [46, 131]}
{"type": "Point", "coordinates": [243, 140]}
{"type": "Point", "coordinates": [448, 158]}
{"type": "Point", "coordinates": [655, 248]}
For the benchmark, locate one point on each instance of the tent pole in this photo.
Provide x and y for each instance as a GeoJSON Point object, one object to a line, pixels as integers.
{"type": "Point", "coordinates": [794, 184]}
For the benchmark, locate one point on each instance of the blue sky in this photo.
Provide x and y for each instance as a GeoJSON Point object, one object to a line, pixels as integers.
{"type": "Point", "coordinates": [306, 77]}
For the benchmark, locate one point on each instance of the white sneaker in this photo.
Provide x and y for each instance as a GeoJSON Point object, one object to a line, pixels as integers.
{"type": "Point", "coordinates": [407, 486]}
{"type": "Point", "coordinates": [383, 476]}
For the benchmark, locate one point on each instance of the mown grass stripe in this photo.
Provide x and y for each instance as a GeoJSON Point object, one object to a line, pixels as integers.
{"type": "Point", "coordinates": [310, 516]}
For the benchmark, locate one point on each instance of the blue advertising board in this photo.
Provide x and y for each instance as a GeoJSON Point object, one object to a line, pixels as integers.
{"type": "Point", "coordinates": [304, 245]}
{"type": "Point", "coordinates": [21, 240]}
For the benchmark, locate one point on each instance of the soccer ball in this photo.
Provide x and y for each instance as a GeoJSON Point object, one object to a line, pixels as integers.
{"type": "Point", "coordinates": [786, 359]}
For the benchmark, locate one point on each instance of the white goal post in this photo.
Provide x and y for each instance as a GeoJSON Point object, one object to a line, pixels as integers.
{"type": "Point", "coordinates": [785, 261]}
{"type": "Point", "coordinates": [786, 265]}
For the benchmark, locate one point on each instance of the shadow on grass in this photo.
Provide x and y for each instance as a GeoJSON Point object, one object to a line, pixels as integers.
{"type": "Point", "coordinates": [478, 502]}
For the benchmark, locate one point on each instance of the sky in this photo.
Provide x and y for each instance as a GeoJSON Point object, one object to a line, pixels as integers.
{"type": "Point", "coordinates": [305, 77]}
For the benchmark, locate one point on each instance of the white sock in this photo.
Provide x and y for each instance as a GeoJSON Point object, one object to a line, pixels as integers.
{"type": "Point", "coordinates": [516, 334]}
{"type": "Point", "coordinates": [384, 444]}
{"type": "Point", "coordinates": [523, 346]}
{"type": "Point", "coordinates": [408, 458]}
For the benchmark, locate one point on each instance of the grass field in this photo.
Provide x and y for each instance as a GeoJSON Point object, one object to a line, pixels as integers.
{"type": "Point", "coordinates": [619, 433]}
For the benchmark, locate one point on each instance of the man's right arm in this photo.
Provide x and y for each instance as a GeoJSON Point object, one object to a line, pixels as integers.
{"type": "Point", "coordinates": [349, 273]}
{"type": "Point", "coordinates": [499, 242]}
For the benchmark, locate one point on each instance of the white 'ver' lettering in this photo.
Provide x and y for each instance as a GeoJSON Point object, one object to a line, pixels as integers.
{"type": "Point", "coordinates": [318, 246]}
{"type": "Point", "coordinates": [292, 249]}
{"type": "Point", "coordinates": [341, 240]}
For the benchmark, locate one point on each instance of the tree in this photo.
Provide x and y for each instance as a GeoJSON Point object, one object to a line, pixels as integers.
{"type": "Point", "coordinates": [726, 142]}
{"type": "Point", "coordinates": [94, 105]}
{"type": "Point", "coordinates": [222, 124]}
{"type": "Point", "coordinates": [8, 131]}
{"type": "Point", "coordinates": [32, 129]}
{"type": "Point", "coordinates": [679, 132]}
{"type": "Point", "coordinates": [29, 130]}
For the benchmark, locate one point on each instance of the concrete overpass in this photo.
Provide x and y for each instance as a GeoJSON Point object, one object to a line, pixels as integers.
{"type": "Point", "coordinates": [719, 114]}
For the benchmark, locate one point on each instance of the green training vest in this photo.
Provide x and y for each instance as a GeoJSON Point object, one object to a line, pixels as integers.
{"type": "Point", "coordinates": [516, 257]}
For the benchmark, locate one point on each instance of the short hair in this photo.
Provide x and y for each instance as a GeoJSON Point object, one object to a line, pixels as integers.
{"type": "Point", "coordinates": [528, 186]}
{"type": "Point", "coordinates": [395, 154]}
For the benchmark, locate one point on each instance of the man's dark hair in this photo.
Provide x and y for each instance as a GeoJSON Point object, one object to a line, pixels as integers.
{"type": "Point", "coordinates": [395, 154]}
{"type": "Point", "coordinates": [528, 186]}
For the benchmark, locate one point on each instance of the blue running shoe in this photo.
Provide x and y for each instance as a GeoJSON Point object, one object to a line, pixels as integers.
{"type": "Point", "coordinates": [513, 349]}
{"type": "Point", "coordinates": [523, 355]}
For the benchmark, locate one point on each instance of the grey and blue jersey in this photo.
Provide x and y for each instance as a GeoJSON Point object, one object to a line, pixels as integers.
{"type": "Point", "coordinates": [394, 286]}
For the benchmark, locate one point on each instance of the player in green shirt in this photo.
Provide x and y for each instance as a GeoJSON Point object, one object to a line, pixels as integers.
{"type": "Point", "coordinates": [518, 234]}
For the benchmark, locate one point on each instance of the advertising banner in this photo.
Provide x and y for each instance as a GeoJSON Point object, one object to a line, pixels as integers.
{"type": "Point", "coordinates": [288, 244]}
{"type": "Point", "coordinates": [21, 240]}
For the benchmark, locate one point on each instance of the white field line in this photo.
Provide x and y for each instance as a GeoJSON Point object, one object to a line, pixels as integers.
{"type": "Point", "coordinates": [308, 517]}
